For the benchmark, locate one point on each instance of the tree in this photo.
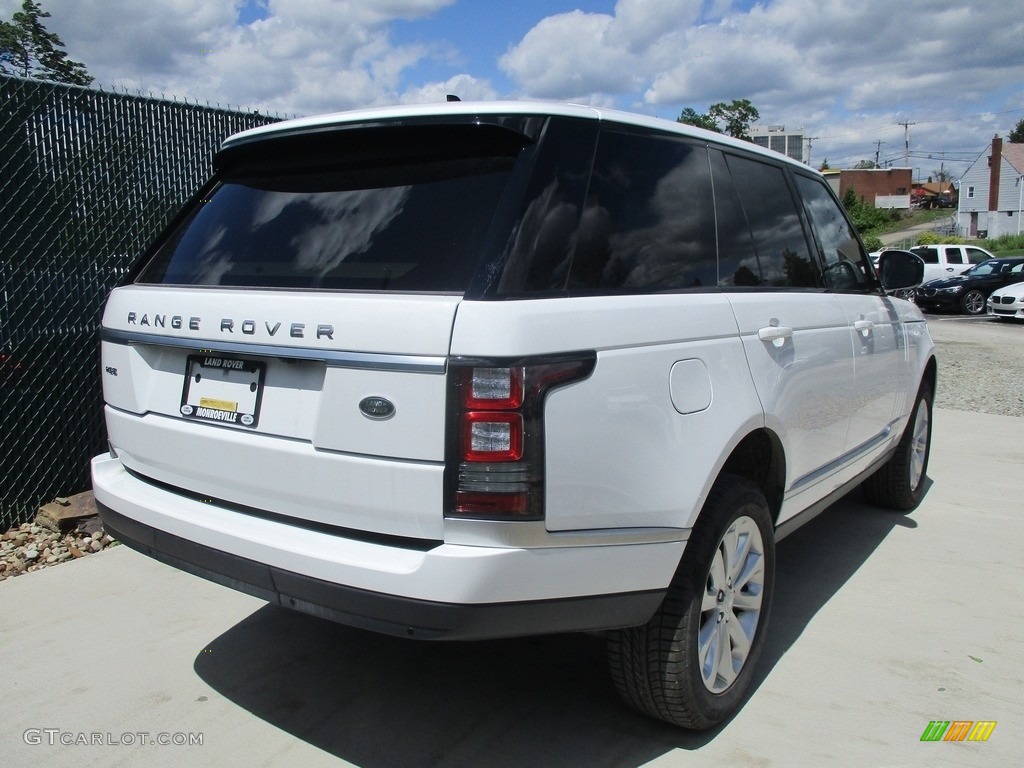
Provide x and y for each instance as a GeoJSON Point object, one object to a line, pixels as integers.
{"type": "Point", "coordinates": [1017, 134]}
{"type": "Point", "coordinates": [824, 165]}
{"type": "Point", "coordinates": [690, 116]}
{"type": "Point", "coordinates": [737, 116]}
{"type": "Point", "coordinates": [865, 217]}
{"type": "Point", "coordinates": [733, 118]}
{"type": "Point", "coordinates": [27, 49]}
{"type": "Point", "coordinates": [941, 176]}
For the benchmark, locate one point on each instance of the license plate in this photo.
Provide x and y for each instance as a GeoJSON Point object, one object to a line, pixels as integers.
{"type": "Point", "coordinates": [224, 390]}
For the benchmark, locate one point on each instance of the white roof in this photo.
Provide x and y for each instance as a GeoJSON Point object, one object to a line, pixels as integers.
{"type": "Point", "coordinates": [484, 108]}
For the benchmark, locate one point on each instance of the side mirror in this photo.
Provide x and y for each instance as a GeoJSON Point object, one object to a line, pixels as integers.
{"type": "Point", "coordinates": [900, 269]}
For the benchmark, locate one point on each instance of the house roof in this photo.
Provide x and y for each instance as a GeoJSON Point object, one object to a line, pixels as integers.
{"type": "Point", "coordinates": [1014, 155]}
{"type": "Point", "coordinates": [936, 187]}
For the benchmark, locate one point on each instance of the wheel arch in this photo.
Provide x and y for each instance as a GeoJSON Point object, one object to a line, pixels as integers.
{"type": "Point", "coordinates": [930, 375]}
{"type": "Point", "coordinates": [760, 458]}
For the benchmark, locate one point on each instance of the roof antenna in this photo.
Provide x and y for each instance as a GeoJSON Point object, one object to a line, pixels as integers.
{"type": "Point", "coordinates": [452, 97]}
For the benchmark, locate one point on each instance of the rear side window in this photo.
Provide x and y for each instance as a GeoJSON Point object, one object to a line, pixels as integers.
{"type": "Point", "coordinates": [648, 222]}
{"type": "Point", "coordinates": [928, 255]}
{"type": "Point", "coordinates": [954, 256]}
{"type": "Point", "coordinates": [407, 211]}
{"type": "Point", "coordinates": [778, 255]}
{"type": "Point", "coordinates": [976, 255]}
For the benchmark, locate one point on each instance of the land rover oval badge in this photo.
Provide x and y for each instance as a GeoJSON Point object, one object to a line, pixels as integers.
{"type": "Point", "coordinates": [377, 408]}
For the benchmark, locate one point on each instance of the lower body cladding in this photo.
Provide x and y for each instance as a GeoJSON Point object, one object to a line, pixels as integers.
{"type": "Point", "coordinates": [422, 589]}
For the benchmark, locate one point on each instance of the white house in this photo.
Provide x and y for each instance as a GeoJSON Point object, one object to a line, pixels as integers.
{"type": "Point", "coordinates": [991, 192]}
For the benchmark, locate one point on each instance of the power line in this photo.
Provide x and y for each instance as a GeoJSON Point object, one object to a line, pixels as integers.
{"type": "Point", "coordinates": [923, 122]}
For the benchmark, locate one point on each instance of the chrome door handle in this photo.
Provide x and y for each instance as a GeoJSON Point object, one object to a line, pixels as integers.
{"type": "Point", "coordinates": [864, 326]}
{"type": "Point", "coordinates": [776, 334]}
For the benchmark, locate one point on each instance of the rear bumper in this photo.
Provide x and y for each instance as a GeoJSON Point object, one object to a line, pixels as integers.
{"type": "Point", "coordinates": [445, 591]}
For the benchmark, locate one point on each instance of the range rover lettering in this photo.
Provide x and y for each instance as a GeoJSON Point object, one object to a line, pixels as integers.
{"type": "Point", "coordinates": [481, 370]}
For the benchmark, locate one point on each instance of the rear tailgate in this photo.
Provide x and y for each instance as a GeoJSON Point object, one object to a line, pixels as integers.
{"type": "Point", "coordinates": [323, 406]}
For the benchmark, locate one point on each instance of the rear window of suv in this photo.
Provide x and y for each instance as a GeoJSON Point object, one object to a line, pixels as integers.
{"type": "Point", "coordinates": [393, 209]}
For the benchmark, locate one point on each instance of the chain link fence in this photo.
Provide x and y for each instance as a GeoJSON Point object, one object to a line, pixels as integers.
{"type": "Point", "coordinates": [89, 178]}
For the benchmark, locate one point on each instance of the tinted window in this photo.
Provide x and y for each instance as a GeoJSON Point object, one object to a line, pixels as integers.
{"type": "Point", "coordinates": [929, 255]}
{"type": "Point", "coordinates": [988, 268]}
{"type": "Point", "coordinates": [781, 257]}
{"type": "Point", "coordinates": [737, 258]}
{"type": "Point", "coordinates": [546, 223]}
{"type": "Point", "coordinates": [845, 264]}
{"type": "Point", "coordinates": [976, 255]}
{"type": "Point", "coordinates": [369, 218]}
{"type": "Point", "coordinates": [954, 256]}
{"type": "Point", "coordinates": [648, 221]}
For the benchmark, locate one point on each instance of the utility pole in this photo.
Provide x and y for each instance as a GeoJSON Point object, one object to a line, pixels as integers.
{"type": "Point", "coordinates": [809, 140]}
{"type": "Point", "coordinates": [878, 148]}
{"type": "Point", "coordinates": [906, 142]}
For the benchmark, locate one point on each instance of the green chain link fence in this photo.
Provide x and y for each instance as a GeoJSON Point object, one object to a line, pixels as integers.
{"type": "Point", "coordinates": [87, 179]}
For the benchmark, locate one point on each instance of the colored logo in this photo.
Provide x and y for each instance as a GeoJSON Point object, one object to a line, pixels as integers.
{"type": "Point", "coordinates": [958, 730]}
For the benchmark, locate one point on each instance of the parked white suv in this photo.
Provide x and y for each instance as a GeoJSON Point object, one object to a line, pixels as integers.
{"type": "Point", "coordinates": [949, 260]}
{"type": "Point", "coordinates": [480, 370]}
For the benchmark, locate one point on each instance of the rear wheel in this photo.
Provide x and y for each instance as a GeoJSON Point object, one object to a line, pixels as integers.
{"type": "Point", "coordinates": [692, 663]}
{"type": "Point", "coordinates": [899, 483]}
{"type": "Point", "coordinates": [973, 302]}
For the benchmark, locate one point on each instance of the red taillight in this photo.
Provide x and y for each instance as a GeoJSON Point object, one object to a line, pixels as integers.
{"type": "Point", "coordinates": [493, 388]}
{"type": "Point", "coordinates": [496, 449]}
{"type": "Point", "coordinates": [492, 436]}
{"type": "Point", "coordinates": [490, 504]}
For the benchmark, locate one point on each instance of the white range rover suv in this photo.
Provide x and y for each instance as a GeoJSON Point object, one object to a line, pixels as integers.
{"type": "Point", "coordinates": [469, 371]}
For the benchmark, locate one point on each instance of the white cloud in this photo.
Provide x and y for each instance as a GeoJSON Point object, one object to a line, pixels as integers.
{"type": "Point", "coordinates": [834, 65]}
{"type": "Point", "coordinates": [839, 68]}
{"type": "Point", "coordinates": [466, 87]}
{"type": "Point", "coordinates": [577, 53]}
{"type": "Point", "coordinates": [303, 57]}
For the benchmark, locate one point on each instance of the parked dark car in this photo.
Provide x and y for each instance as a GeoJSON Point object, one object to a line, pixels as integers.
{"type": "Point", "coordinates": [968, 292]}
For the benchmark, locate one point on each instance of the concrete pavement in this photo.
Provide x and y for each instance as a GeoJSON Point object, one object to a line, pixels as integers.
{"type": "Point", "coordinates": [882, 623]}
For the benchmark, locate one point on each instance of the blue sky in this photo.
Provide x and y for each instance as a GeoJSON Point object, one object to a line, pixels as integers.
{"type": "Point", "coordinates": [847, 72]}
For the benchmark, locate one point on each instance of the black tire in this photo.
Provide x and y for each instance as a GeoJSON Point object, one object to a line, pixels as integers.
{"type": "Point", "coordinates": [899, 483]}
{"type": "Point", "coordinates": [973, 302]}
{"type": "Point", "coordinates": [656, 667]}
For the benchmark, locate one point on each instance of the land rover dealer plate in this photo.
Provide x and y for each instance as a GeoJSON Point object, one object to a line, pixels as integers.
{"type": "Point", "coordinates": [225, 390]}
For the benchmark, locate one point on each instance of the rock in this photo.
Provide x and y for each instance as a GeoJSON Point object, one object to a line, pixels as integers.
{"type": "Point", "coordinates": [75, 551]}
{"type": "Point", "coordinates": [63, 514]}
{"type": "Point", "coordinates": [31, 553]}
{"type": "Point", "coordinates": [95, 545]}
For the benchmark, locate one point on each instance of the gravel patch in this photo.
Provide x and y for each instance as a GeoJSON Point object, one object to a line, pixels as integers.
{"type": "Point", "coordinates": [30, 547]}
{"type": "Point", "coordinates": [981, 369]}
{"type": "Point", "coordinates": [981, 364]}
